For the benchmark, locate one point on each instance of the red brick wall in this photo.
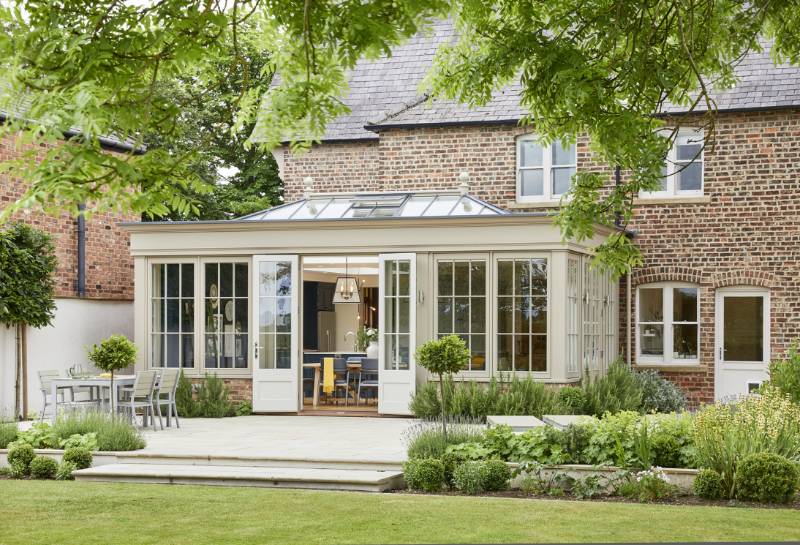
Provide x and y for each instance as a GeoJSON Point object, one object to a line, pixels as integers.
{"type": "Point", "coordinates": [239, 389]}
{"type": "Point", "coordinates": [335, 167]}
{"type": "Point", "coordinates": [432, 158]}
{"type": "Point", "coordinates": [747, 234]}
{"type": "Point", "coordinates": [109, 266]}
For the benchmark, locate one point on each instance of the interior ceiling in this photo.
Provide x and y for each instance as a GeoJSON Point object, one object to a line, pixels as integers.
{"type": "Point", "coordinates": [356, 265]}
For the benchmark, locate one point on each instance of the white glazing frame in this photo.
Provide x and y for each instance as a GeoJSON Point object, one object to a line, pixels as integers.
{"type": "Point", "coordinates": [668, 321]}
{"type": "Point", "coordinates": [488, 299]}
{"type": "Point", "coordinates": [148, 342]}
{"type": "Point", "coordinates": [546, 168]}
{"type": "Point", "coordinates": [200, 326]}
{"type": "Point", "coordinates": [573, 316]}
{"type": "Point", "coordinates": [719, 359]}
{"type": "Point", "coordinates": [496, 259]}
{"type": "Point", "coordinates": [673, 166]}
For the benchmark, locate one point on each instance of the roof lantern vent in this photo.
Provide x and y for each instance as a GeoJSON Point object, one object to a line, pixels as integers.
{"type": "Point", "coordinates": [308, 187]}
{"type": "Point", "coordinates": [463, 183]}
{"type": "Point", "coordinates": [463, 189]}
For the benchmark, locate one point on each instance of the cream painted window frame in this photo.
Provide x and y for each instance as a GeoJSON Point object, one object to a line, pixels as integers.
{"type": "Point", "coordinates": [490, 304]}
{"type": "Point", "coordinates": [668, 322]}
{"type": "Point", "coordinates": [200, 325]}
{"type": "Point", "coordinates": [496, 258]}
{"type": "Point", "coordinates": [671, 190]}
{"type": "Point", "coordinates": [547, 167]}
{"type": "Point", "coordinates": [148, 341]}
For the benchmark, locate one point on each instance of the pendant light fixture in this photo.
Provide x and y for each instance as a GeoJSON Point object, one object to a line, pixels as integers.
{"type": "Point", "coordinates": [347, 289]}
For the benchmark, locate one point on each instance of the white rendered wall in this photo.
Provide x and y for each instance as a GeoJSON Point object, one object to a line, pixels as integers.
{"type": "Point", "coordinates": [78, 323]}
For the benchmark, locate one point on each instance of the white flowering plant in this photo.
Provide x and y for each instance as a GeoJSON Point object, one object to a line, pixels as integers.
{"type": "Point", "coordinates": [364, 337]}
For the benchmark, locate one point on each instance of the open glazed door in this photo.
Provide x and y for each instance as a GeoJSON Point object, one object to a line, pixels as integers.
{"type": "Point", "coordinates": [275, 315]}
{"type": "Point", "coordinates": [396, 327]}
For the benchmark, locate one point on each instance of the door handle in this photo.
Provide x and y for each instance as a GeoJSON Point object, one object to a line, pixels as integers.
{"type": "Point", "coordinates": [255, 351]}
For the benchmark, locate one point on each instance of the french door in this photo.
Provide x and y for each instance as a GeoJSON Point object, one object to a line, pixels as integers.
{"type": "Point", "coordinates": [396, 332]}
{"type": "Point", "coordinates": [742, 341]}
{"type": "Point", "coordinates": [275, 315]}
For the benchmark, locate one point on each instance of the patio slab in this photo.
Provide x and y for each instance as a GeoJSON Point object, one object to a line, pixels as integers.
{"type": "Point", "coordinates": [517, 423]}
{"type": "Point", "coordinates": [283, 437]}
{"type": "Point", "coordinates": [562, 421]}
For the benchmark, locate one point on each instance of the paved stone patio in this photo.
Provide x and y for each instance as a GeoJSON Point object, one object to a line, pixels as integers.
{"type": "Point", "coordinates": [300, 437]}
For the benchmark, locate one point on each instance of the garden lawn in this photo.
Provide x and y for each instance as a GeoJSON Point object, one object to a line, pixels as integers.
{"type": "Point", "coordinates": [33, 512]}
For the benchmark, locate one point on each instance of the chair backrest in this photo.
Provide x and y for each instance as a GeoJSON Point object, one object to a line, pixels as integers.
{"type": "Point", "coordinates": [169, 381]}
{"type": "Point", "coordinates": [46, 379]}
{"type": "Point", "coordinates": [339, 365]}
{"type": "Point", "coordinates": [145, 382]}
{"type": "Point", "coordinates": [369, 364]}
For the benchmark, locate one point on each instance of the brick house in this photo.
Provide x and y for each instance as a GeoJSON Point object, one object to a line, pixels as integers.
{"type": "Point", "coordinates": [94, 293]}
{"type": "Point", "coordinates": [441, 214]}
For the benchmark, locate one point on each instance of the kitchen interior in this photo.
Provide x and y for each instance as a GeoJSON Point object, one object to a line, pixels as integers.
{"type": "Point", "coordinates": [340, 334]}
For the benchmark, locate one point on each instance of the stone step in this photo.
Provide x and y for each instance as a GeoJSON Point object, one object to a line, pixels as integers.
{"type": "Point", "coordinates": [139, 457]}
{"type": "Point", "coordinates": [271, 477]}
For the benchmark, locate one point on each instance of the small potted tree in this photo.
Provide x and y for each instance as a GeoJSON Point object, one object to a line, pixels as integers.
{"type": "Point", "coordinates": [443, 357]}
{"type": "Point", "coordinates": [113, 354]}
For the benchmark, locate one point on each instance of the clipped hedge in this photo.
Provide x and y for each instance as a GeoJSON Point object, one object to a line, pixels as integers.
{"type": "Point", "coordinates": [766, 477]}
{"type": "Point", "coordinates": [43, 467]}
{"type": "Point", "coordinates": [426, 474]}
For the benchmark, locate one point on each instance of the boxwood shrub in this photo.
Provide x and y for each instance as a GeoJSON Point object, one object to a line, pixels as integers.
{"type": "Point", "coordinates": [426, 474]}
{"type": "Point", "coordinates": [21, 455]}
{"type": "Point", "coordinates": [81, 457]}
{"type": "Point", "coordinates": [43, 467]}
{"type": "Point", "coordinates": [496, 475]}
{"type": "Point", "coordinates": [766, 477]}
{"type": "Point", "coordinates": [708, 485]}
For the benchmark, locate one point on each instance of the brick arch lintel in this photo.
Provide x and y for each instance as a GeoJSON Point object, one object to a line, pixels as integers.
{"type": "Point", "coordinates": [743, 277]}
{"type": "Point", "coordinates": [649, 275]}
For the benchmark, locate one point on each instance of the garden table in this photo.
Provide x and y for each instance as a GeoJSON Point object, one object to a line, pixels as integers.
{"type": "Point", "coordinates": [91, 382]}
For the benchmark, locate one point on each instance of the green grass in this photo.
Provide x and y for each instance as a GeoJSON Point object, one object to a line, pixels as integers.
{"type": "Point", "coordinates": [107, 514]}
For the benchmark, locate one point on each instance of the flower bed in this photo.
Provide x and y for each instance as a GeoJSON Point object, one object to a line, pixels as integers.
{"type": "Point", "coordinates": [738, 446]}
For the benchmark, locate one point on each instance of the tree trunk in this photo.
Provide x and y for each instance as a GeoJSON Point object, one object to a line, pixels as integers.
{"type": "Point", "coordinates": [444, 407]}
{"type": "Point", "coordinates": [24, 364]}
{"type": "Point", "coordinates": [111, 395]}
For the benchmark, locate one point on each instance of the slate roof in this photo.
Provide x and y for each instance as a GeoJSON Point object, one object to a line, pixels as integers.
{"type": "Point", "coordinates": [386, 93]}
{"type": "Point", "coordinates": [380, 87]}
{"type": "Point", "coordinates": [20, 109]}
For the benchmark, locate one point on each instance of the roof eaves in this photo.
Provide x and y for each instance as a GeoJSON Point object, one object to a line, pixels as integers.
{"type": "Point", "coordinates": [106, 143]}
{"type": "Point", "coordinates": [463, 123]}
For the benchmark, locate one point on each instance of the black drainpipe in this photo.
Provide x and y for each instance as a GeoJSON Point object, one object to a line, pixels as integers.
{"type": "Point", "coordinates": [617, 182]}
{"type": "Point", "coordinates": [81, 232]}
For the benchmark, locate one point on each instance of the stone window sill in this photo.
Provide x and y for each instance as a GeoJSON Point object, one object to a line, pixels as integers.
{"type": "Point", "coordinates": [676, 367]}
{"type": "Point", "coordinates": [534, 204]}
{"type": "Point", "coordinates": [647, 201]}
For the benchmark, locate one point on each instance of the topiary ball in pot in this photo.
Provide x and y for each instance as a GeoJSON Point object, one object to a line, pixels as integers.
{"type": "Point", "coordinates": [426, 474]}
{"type": "Point", "coordinates": [80, 456]}
{"type": "Point", "coordinates": [43, 467]}
{"type": "Point", "coordinates": [496, 475]}
{"type": "Point", "coordinates": [766, 477]}
{"type": "Point", "coordinates": [21, 455]}
{"type": "Point", "coordinates": [708, 485]}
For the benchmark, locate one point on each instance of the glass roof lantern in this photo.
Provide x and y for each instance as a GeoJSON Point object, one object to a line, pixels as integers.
{"type": "Point", "coordinates": [379, 205]}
